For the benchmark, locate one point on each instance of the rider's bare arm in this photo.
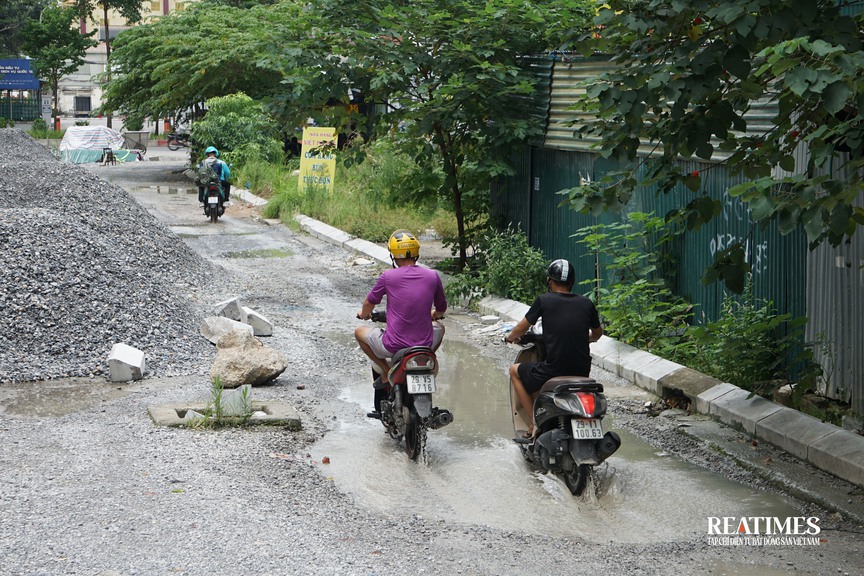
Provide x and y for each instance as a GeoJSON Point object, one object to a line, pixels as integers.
{"type": "Point", "coordinates": [366, 311]}
{"type": "Point", "coordinates": [518, 331]}
{"type": "Point", "coordinates": [594, 334]}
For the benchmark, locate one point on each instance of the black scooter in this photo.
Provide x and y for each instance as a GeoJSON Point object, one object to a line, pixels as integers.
{"type": "Point", "coordinates": [568, 416]}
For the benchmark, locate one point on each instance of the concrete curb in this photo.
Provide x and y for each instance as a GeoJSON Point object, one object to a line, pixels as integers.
{"type": "Point", "coordinates": [825, 446]}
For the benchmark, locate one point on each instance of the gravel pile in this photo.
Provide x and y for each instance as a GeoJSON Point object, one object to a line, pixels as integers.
{"type": "Point", "coordinates": [84, 267]}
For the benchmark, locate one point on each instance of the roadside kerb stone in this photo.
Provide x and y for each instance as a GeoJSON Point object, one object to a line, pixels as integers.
{"type": "Point", "coordinates": [323, 231]}
{"type": "Point", "coordinates": [648, 376]}
{"type": "Point", "coordinates": [508, 310]}
{"type": "Point", "coordinates": [840, 453]}
{"type": "Point", "coordinates": [369, 249]}
{"type": "Point", "coordinates": [608, 352]}
{"type": "Point", "coordinates": [631, 363]}
{"type": "Point", "coordinates": [792, 431]}
{"type": "Point", "coordinates": [702, 402]}
{"type": "Point", "coordinates": [276, 413]}
{"type": "Point", "coordinates": [742, 408]}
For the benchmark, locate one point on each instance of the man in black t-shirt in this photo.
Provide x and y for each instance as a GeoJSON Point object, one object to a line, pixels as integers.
{"type": "Point", "coordinates": [570, 323]}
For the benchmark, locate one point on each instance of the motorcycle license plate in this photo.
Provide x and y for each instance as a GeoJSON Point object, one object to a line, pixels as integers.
{"type": "Point", "coordinates": [587, 429]}
{"type": "Point", "coordinates": [212, 200]}
{"type": "Point", "coordinates": [421, 383]}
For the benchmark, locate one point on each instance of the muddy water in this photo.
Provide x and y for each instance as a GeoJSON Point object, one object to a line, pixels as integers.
{"type": "Point", "coordinates": [58, 397]}
{"type": "Point", "coordinates": [476, 474]}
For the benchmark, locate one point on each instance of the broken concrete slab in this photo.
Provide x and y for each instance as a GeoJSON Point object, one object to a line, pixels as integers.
{"type": "Point", "coordinates": [237, 402]}
{"type": "Point", "coordinates": [232, 309]}
{"type": "Point", "coordinates": [275, 413]}
{"type": "Point", "coordinates": [261, 326]}
{"type": "Point", "coordinates": [792, 431]}
{"type": "Point", "coordinates": [214, 327]}
{"type": "Point", "coordinates": [126, 363]}
{"type": "Point", "coordinates": [689, 382]}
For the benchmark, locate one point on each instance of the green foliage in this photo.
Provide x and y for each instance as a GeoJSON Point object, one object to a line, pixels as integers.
{"type": "Point", "coordinates": [6, 122]}
{"type": "Point", "coordinates": [56, 47]}
{"type": "Point", "coordinates": [39, 126]}
{"type": "Point", "coordinates": [173, 64]}
{"type": "Point", "coordinates": [14, 15]}
{"type": "Point", "coordinates": [750, 345]}
{"type": "Point", "coordinates": [238, 127]}
{"type": "Point", "coordinates": [682, 76]}
{"type": "Point", "coordinates": [632, 295]}
{"type": "Point", "coordinates": [505, 265]}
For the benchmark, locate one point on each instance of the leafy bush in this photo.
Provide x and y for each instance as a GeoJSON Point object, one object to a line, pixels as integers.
{"type": "Point", "coordinates": [39, 128]}
{"type": "Point", "coordinates": [6, 122]}
{"type": "Point", "coordinates": [505, 266]}
{"type": "Point", "coordinates": [750, 345]}
{"type": "Point", "coordinates": [635, 302]}
{"type": "Point", "coordinates": [240, 129]}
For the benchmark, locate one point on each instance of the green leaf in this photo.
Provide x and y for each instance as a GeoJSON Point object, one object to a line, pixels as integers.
{"type": "Point", "coordinates": [836, 96]}
{"type": "Point", "coordinates": [761, 207]}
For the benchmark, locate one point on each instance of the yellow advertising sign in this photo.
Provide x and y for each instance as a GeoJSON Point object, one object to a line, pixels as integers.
{"type": "Point", "coordinates": [318, 162]}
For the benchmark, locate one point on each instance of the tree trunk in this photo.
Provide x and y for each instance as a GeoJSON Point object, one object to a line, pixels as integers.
{"type": "Point", "coordinates": [452, 171]}
{"type": "Point", "coordinates": [107, 57]}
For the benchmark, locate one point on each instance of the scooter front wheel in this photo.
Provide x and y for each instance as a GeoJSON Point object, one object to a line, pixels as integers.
{"type": "Point", "coordinates": [173, 145]}
{"type": "Point", "coordinates": [577, 479]}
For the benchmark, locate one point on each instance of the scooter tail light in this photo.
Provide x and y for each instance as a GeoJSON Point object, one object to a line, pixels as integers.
{"type": "Point", "coordinates": [420, 362]}
{"type": "Point", "coordinates": [587, 400]}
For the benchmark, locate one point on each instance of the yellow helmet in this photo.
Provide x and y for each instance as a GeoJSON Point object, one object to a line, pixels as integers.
{"type": "Point", "coordinates": [403, 244]}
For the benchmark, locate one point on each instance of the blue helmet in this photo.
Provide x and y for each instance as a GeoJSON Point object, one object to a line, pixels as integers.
{"type": "Point", "coordinates": [212, 149]}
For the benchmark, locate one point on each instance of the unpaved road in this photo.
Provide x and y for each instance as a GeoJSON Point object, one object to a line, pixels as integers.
{"type": "Point", "coordinates": [88, 485]}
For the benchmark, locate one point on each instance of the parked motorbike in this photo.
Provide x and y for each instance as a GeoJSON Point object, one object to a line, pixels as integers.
{"type": "Point", "coordinates": [568, 417]}
{"type": "Point", "coordinates": [177, 140]}
{"type": "Point", "coordinates": [405, 405]}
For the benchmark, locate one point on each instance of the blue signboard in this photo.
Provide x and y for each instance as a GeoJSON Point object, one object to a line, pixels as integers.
{"type": "Point", "coordinates": [15, 74]}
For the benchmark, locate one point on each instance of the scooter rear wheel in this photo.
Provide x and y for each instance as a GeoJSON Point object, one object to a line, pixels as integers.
{"type": "Point", "coordinates": [577, 480]}
{"type": "Point", "coordinates": [415, 436]}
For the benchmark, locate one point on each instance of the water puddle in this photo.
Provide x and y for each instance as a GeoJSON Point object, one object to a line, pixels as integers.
{"type": "Point", "coordinates": [171, 190]}
{"type": "Point", "coordinates": [57, 397]}
{"type": "Point", "coordinates": [474, 469]}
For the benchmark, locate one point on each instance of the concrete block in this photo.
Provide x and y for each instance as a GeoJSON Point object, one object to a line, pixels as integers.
{"type": "Point", "coordinates": [230, 308]}
{"type": "Point", "coordinates": [792, 431]}
{"type": "Point", "coordinates": [237, 402]}
{"type": "Point", "coordinates": [841, 454]}
{"type": "Point", "coordinates": [507, 310]}
{"type": "Point", "coordinates": [741, 409]}
{"type": "Point", "coordinates": [689, 382]}
{"type": "Point", "coordinates": [126, 363]}
{"type": "Point", "coordinates": [608, 352]}
{"type": "Point", "coordinates": [261, 326]}
{"type": "Point", "coordinates": [214, 327]}
{"type": "Point", "coordinates": [369, 249]}
{"type": "Point", "coordinates": [648, 376]}
{"type": "Point", "coordinates": [703, 401]}
{"type": "Point", "coordinates": [631, 363]}
{"type": "Point", "coordinates": [489, 319]}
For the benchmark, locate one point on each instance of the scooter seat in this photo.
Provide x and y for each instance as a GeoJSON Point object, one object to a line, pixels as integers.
{"type": "Point", "coordinates": [563, 384]}
{"type": "Point", "coordinates": [397, 357]}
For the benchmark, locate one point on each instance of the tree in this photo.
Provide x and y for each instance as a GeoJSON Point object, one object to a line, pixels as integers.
{"type": "Point", "coordinates": [14, 14]}
{"type": "Point", "coordinates": [682, 77]}
{"type": "Point", "coordinates": [128, 9]}
{"type": "Point", "coordinates": [181, 60]}
{"type": "Point", "coordinates": [55, 46]}
{"type": "Point", "coordinates": [452, 74]}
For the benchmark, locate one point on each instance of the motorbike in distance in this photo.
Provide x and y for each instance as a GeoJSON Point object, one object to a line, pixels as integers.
{"type": "Point", "coordinates": [177, 140]}
{"type": "Point", "coordinates": [568, 416]}
{"type": "Point", "coordinates": [404, 405]}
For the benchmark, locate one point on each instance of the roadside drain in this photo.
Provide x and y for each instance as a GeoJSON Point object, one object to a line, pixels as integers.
{"type": "Point", "coordinates": [263, 413]}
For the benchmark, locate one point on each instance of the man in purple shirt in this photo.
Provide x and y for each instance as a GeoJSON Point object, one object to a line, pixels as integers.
{"type": "Point", "coordinates": [415, 301]}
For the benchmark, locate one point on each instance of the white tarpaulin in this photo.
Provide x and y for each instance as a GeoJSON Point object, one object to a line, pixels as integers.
{"type": "Point", "coordinates": [83, 144]}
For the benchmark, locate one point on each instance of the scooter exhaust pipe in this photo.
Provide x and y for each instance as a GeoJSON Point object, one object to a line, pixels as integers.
{"type": "Point", "coordinates": [607, 446]}
{"type": "Point", "coordinates": [441, 418]}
